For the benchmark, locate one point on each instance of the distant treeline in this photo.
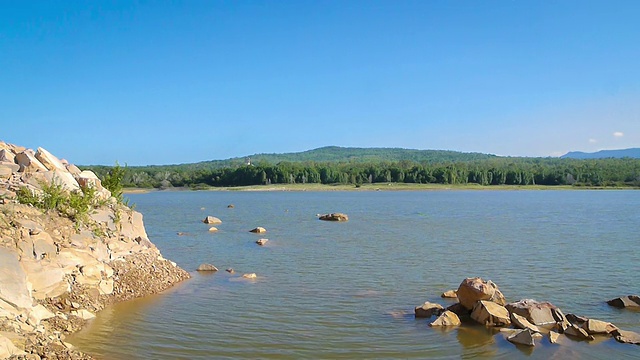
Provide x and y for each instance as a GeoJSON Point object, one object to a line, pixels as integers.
{"type": "Point", "coordinates": [492, 171]}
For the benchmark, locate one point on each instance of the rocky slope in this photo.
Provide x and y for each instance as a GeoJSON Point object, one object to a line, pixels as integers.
{"type": "Point", "coordinates": [55, 272]}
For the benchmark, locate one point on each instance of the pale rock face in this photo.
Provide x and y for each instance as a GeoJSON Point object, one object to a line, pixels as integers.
{"type": "Point", "coordinates": [5, 172]}
{"type": "Point", "coordinates": [83, 314]}
{"type": "Point", "coordinates": [45, 281]}
{"type": "Point", "coordinates": [39, 313]}
{"type": "Point", "coordinates": [106, 287]}
{"type": "Point", "coordinates": [7, 156]}
{"type": "Point", "coordinates": [43, 245]}
{"type": "Point", "coordinates": [28, 162]}
{"type": "Point", "coordinates": [491, 314]}
{"type": "Point", "coordinates": [522, 337]}
{"type": "Point", "coordinates": [73, 169]}
{"type": "Point", "coordinates": [7, 349]}
{"type": "Point", "coordinates": [89, 178]}
{"type": "Point", "coordinates": [472, 290]}
{"type": "Point", "coordinates": [132, 225]}
{"type": "Point", "coordinates": [49, 161]}
{"type": "Point", "coordinates": [447, 318]}
{"type": "Point", "coordinates": [14, 292]}
{"type": "Point", "coordinates": [538, 313]}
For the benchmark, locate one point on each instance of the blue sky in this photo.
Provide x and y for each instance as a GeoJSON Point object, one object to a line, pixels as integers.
{"type": "Point", "coordinates": [146, 82]}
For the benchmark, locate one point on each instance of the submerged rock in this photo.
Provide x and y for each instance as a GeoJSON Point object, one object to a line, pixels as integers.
{"type": "Point", "coordinates": [258, 230]}
{"type": "Point", "coordinates": [447, 318]}
{"type": "Point", "coordinates": [625, 301]}
{"type": "Point", "coordinates": [206, 267]}
{"type": "Point", "coordinates": [212, 220]}
{"type": "Point", "coordinates": [334, 217]}
{"type": "Point", "coordinates": [490, 314]}
{"type": "Point", "coordinates": [627, 337]}
{"type": "Point", "coordinates": [428, 309]}
{"type": "Point", "coordinates": [261, 242]}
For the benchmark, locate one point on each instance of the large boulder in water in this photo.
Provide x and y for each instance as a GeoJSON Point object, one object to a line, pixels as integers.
{"type": "Point", "coordinates": [212, 220]}
{"type": "Point", "coordinates": [472, 290]}
{"type": "Point", "coordinates": [538, 313]}
{"type": "Point", "coordinates": [447, 318]}
{"type": "Point", "coordinates": [334, 217]}
{"type": "Point", "coordinates": [207, 267]}
{"type": "Point", "coordinates": [428, 309]}
{"type": "Point", "coordinates": [491, 314]}
{"type": "Point", "coordinates": [258, 230]}
{"type": "Point", "coordinates": [628, 337]}
{"type": "Point", "coordinates": [625, 301]}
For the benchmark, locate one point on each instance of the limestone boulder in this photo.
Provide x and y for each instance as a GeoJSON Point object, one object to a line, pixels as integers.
{"type": "Point", "coordinates": [39, 313]}
{"type": "Point", "coordinates": [449, 294]}
{"type": "Point", "coordinates": [213, 229]}
{"type": "Point", "coordinates": [627, 337]}
{"type": "Point", "coordinates": [577, 332]}
{"type": "Point", "coordinates": [212, 220]}
{"type": "Point", "coordinates": [28, 162]}
{"type": "Point", "coordinates": [74, 170]}
{"type": "Point", "coordinates": [261, 242]}
{"type": "Point", "coordinates": [49, 161]}
{"type": "Point", "coordinates": [83, 314]}
{"type": "Point", "coordinates": [632, 301]}
{"type": "Point", "coordinates": [334, 217]}
{"type": "Point", "coordinates": [522, 323]}
{"type": "Point", "coordinates": [206, 267]}
{"type": "Point", "coordinates": [43, 245]}
{"type": "Point", "coordinates": [14, 290]}
{"type": "Point", "coordinates": [428, 310]}
{"type": "Point", "coordinates": [538, 313]}
{"type": "Point", "coordinates": [8, 349]}
{"type": "Point", "coordinates": [46, 279]}
{"type": "Point", "coordinates": [523, 337]}
{"type": "Point", "coordinates": [258, 230]}
{"type": "Point", "coordinates": [88, 178]}
{"type": "Point", "coordinates": [490, 314]}
{"type": "Point", "coordinates": [593, 327]}
{"type": "Point", "coordinates": [472, 290]}
{"type": "Point", "coordinates": [5, 172]}
{"type": "Point", "coordinates": [447, 318]}
{"type": "Point", "coordinates": [8, 156]}
{"type": "Point", "coordinates": [250, 276]}
{"type": "Point", "coordinates": [132, 225]}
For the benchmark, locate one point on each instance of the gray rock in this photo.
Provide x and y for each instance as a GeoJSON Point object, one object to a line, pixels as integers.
{"type": "Point", "coordinates": [522, 337]}
{"type": "Point", "coordinates": [627, 337]}
{"type": "Point", "coordinates": [207, 267]}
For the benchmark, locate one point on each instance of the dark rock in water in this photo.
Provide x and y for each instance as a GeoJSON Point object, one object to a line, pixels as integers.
{"type": "Point", "coordinates": [207, 267]}
{"type": "Point", "coordinates": [459, 310]}
{"type": "Point", "coordinates": [627, 337]}
{"type": "Point", "coordinates": [334, 217]}
{"type": "Point", "coordinates": [428, 309]}
{"type": "Point", "coordinates": [578, 333]}
{"type": "Point", "coordinates": [625, 301]}
{"type": "Point", "coordinates": [230, 270]}
{"type": "Point", "coordinates": [230, 206]}
{"type": "Point", "coordinates": [261, 242]}
{"type": "Point", "coordinates": [577, 320]}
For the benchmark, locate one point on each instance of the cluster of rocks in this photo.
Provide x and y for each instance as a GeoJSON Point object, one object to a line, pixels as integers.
{"type": "Point", "coordinates": [481, 301]}
{"type": "Point", "coordinates": [56, 274]}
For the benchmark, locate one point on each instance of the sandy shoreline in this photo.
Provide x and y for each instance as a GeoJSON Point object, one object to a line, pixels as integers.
{"type": "Point", "coordinates": [380, 187]}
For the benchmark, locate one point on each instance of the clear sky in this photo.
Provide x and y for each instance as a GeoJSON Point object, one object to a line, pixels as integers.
{"type": "Point", "coordinates": [160, 82]}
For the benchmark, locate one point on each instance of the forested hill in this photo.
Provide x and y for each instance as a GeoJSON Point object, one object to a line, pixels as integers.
{"type": "Point", "coordinates": [353, 154]}
{"type": "Point", "coordinates": [603, 154]}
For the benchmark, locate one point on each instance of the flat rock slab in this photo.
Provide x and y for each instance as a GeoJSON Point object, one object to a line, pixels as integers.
{"type": "Point", "coordinates": [627, 337]}
{"type": "Point", "coordinates": [625, 301]}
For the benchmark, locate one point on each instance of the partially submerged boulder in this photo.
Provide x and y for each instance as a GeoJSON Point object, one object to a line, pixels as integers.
{"type": "Point", "coordinates": [472, 290]}
{"type": "Point", "coordinates": [523, 337]}
{"type": "Point", "coordinates": [447, 318]}
{"type": "Point", "coordinates": [261, 242]}
{"type": "Point", "coordinates": [627, 337]}
{"type": "Point", "coordinates": [334, 217]}
{"type": "Point", "coordinates": [449, 294]}
{"type": "Point", "coordinates": [522, 323]}
{"type": "Point", "coordinates": [258, 230]}
{"type": "Point", "coordinates": [490, 314]}
{"type": "Point", "coordinates": [250, 276]}
{"type": "Point", "coordinates": [206, 267]}
{"type": "Point", "coordinates": [577, 332]}
{"type": "Point", "coordinates": [538, 313]}
{"type": "Point", "coordinates": [428, 309]}
{"type": "Point", "coordinates": [625, 301]}
{"type": "Point", "coordinates": [212, 220]}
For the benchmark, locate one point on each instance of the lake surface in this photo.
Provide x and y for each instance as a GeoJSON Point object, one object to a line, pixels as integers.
{"type": "Point", "coordinates": [330, 290]}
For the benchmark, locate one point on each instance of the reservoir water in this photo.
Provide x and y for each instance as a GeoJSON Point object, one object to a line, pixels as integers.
{"type": "Point", "coordinates": [330, 290]}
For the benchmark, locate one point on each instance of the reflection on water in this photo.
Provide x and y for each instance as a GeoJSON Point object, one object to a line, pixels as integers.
{"type": "Point", "coordinates": [347, 290]}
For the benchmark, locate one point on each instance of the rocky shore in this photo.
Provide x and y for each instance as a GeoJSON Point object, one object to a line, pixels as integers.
{"type": "Point", "coordinates": [57, 269]}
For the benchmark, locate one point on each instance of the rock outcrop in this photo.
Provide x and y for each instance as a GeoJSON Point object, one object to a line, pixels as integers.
{"type": "Point", "coordinates": [334, 217]}
{"type": "Point", "coordinates": [57, 270]}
